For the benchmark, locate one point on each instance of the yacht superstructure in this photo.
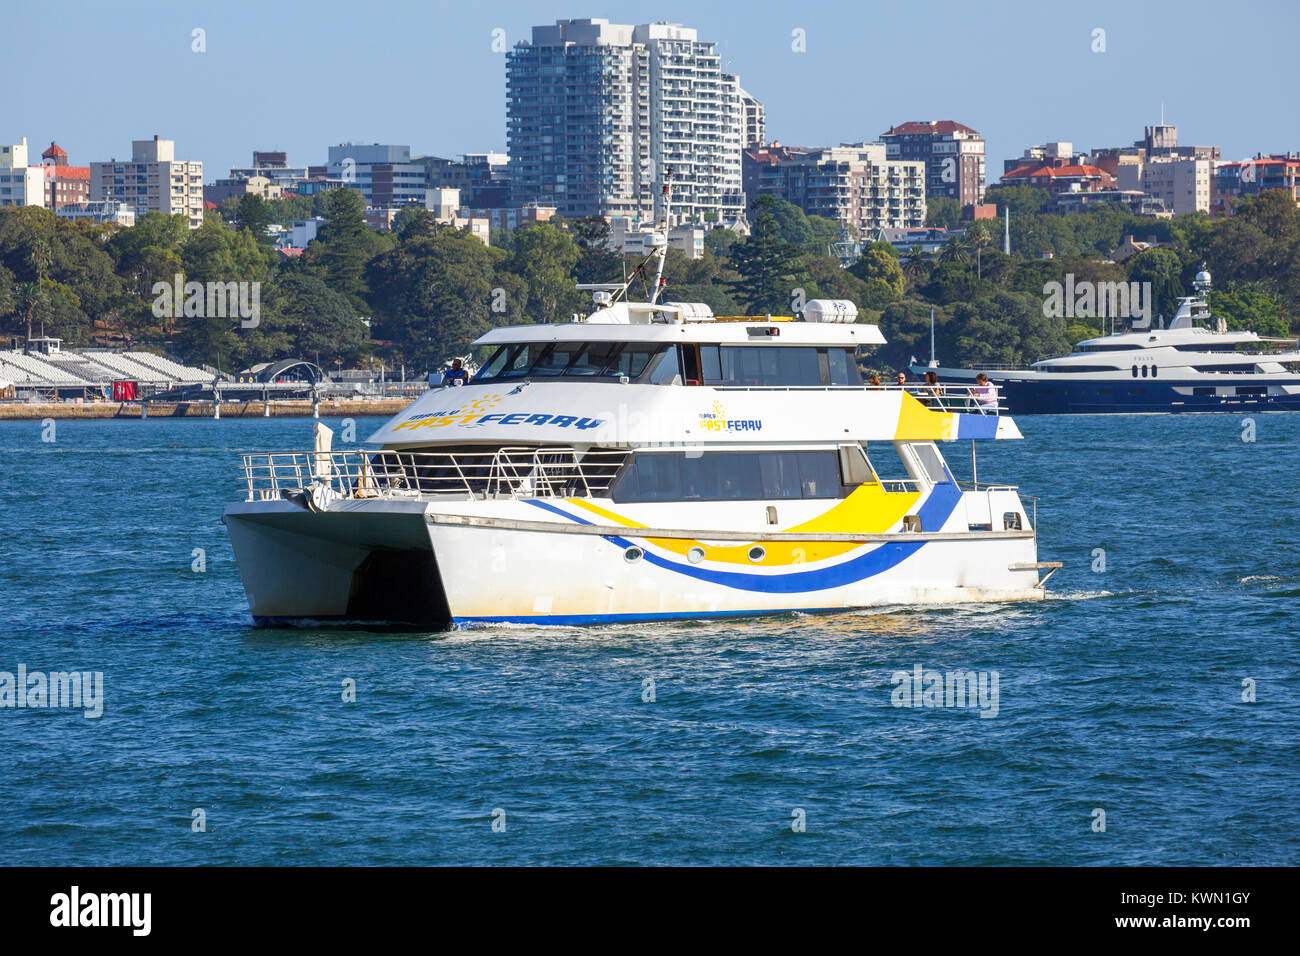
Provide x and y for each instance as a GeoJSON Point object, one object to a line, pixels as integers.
{"type": "Point", "coordinates": [1194, 365]}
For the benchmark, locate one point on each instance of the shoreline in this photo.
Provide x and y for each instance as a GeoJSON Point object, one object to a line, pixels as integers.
{"type": "Point", "coordinates": [36, 411]}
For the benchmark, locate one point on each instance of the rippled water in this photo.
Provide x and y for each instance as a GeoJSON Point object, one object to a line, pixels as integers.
{"type": "Point", "coordinates": [1122, 692]}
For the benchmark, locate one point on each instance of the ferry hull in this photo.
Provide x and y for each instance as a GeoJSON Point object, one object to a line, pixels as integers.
{"type": "Point", "coordinates": [410, 569]}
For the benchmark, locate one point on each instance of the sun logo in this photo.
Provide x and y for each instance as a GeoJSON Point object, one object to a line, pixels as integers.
{"type": "Point", "coordinates": [719, 410]}
{"type": "Point", "coordinates": [478, 406]}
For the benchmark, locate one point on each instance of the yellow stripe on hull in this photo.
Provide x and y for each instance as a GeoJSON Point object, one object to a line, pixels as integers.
{"type": "Point", "coordinates": [869, 509]}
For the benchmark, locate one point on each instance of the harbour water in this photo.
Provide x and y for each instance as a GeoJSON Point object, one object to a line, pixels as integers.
{"type": "Point", "coordinates": [771, 741]}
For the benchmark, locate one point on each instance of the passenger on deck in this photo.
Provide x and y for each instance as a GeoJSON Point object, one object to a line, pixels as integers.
{"type": "Point", "coordinates": [929, 396]}
{"type": "Point", "coordinates": [902, 378]}
{"type": "Point", "coordinates": [986, 396]}
{"type": "Point", "coordinates": [455, 375]}
{"type": "Point", "coordinates": [874, 381]}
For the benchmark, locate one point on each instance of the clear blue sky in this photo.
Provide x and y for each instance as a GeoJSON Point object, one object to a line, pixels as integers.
{"type": "Point", "coordinates": [300, 76]}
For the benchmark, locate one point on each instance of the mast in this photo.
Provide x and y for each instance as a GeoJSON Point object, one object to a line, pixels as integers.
{"type": "Point", "coordinates": [934, 363]}
{"type": "Point", "coordinates": [663, 225]}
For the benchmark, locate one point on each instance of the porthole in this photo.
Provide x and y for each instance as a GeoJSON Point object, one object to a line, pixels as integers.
{"type": "Point", "coordinates": [695, 555]}
{"type": "Point", "coordinates": [757, 553]}
{"type": "Point", "coordinates": [633, 554]}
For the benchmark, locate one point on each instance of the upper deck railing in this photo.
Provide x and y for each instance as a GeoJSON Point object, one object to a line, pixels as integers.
{"type": "Point", "coordinates": [971, 399]}
{"type": "Point", "coordinates": [545, 472]}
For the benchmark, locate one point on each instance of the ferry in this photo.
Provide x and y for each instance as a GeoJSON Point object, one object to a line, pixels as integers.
{"type": "Point", "coordinates": [1194, 365]}
{"type": "Point", "coordinates": [647, 461]}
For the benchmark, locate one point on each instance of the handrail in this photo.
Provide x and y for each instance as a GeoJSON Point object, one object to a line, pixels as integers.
{"type": "Point", "coordinates": [945, 396]}
{"type": "Point", "coordinates": [509, 472]}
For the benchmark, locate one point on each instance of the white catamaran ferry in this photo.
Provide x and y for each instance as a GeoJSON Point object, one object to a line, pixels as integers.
{"type": "Point", "coordinates": [649, 461]}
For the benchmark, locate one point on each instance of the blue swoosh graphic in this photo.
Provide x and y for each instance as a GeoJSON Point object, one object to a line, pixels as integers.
{"type": "Point", "coordinates": [943, 499]}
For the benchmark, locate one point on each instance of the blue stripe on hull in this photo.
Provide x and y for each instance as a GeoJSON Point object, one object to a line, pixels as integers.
{"type": "Point", "coordinates": [1091, 398]}
{"type": "Point", "coordinates": [579, 620]}
{"type": "Point", "coordinates": [934, 512]}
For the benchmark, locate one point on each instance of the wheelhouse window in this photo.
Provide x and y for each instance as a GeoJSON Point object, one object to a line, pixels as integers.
{"type": "Point", "coordinates": [601, 360]}
{"type": "Point", "coordinates": [729, 475]}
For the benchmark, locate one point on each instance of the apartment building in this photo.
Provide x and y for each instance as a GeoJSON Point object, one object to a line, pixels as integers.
{"type": "Point", "coordinates": [598, 113]}
{"type": "Point", "coordinates": [755, 121]}
{"type": "Point", "coordinates": [1231, 181]}
{"type": "Point", "coordinates": [20, 184]}
{"type": "Point", "coordinates": [954, 157]}
{"type": "Point", "coordinates": [272, 165]}
{"type": "Point", "coordinates": [1182, 184]}
{"type": "Point", "coordinates": [152, 181]}
{"type": "Point", "coordinates": [856, 184]}
{"type": "Point", "coordinates": [383, 173]}
{"type": "Point", "coordinates": [482, 178]}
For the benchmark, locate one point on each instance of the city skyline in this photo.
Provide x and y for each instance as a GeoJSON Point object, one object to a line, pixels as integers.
{"type": "Point", "coordinates": [287, 78]}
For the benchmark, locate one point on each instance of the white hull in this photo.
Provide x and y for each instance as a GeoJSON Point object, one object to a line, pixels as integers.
{"type": "Point", "coordinates": [445, 563]}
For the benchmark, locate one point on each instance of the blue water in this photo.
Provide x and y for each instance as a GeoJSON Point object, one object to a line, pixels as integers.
{"type": "Point", "coordinates": [1122, 692]}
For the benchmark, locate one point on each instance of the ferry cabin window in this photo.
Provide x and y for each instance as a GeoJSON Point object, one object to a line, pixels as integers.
{"type": "Point", "coordinates": [609, 360]}
{"type": "Point", "coordinates": [775, 366]}
{"type": "Point", "coordinates": [729, 475]}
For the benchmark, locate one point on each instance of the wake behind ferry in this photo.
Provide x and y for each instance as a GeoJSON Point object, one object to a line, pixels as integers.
{"type": "Point", "coordinates": [1194, 365]}
{"type": "Point", "coordinates": [648, 461]}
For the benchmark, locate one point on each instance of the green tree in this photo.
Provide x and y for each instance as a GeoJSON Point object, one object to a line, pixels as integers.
{"type": "Point", "coordinates": [253, 213]}
{"type": "Point", "coordinates": [1162, 268]}
{"type": "Point", "coordinates": [545, 257]}
{"type": "Point", "coordinates": [769, 268]}
{"type": "Point", "coordinates": [878, 268]}
{"type": "Point", "coordinates": [942, 212]}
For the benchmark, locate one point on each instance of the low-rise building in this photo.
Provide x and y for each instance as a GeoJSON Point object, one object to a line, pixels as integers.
{"type": "Point", "coordinates": [631, 237]}
{"type": "Point", "coordinates": [104, 211]}
{"type": "Point", "coordinates": [65, 185]}
{"type": "Point", "coordinates": [1136, 201]}
{"type": "Point", "coordinates": [514, 217]}
{"type": "Point", "coordinates": [252, 186]}
{"type": "Point", "coordinates": [929, 239]}
{"type": "Point", "coordinates": [1060, 179]}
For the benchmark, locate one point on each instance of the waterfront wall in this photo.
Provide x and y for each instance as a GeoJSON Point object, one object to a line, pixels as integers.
{"type": "Point", "coordinates": [18, 411]}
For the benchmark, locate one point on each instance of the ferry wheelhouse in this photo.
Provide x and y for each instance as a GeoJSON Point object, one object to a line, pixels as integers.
{"type": "Point", "coordinates": [1194, 365]}
{"type": "Point", "coordinates": [649, 461]}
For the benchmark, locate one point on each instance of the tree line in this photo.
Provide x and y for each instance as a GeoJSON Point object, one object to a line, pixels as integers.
{"type": "Point", "coordinates": [424, 291]}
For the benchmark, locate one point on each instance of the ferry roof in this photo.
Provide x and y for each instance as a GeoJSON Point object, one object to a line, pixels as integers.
{"type": "Point", "coordinates": [757, 332]}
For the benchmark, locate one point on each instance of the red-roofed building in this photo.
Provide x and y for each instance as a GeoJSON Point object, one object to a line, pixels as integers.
{"type": "Point", "coordinates": [64, 185]}
{"type": "Point", "coordinates": [1073, 178]}
{"type": "Point", "coordinates": [953, 154]}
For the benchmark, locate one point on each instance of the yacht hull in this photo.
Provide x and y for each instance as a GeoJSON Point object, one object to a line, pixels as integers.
{"type": "Point", "coordinates": [1053, 396]}
{"type": "Point", "coordinates": [439, 565]}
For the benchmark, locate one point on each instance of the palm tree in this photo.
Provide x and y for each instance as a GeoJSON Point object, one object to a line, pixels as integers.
{"type": "Point", "coordinates": [39, 260]}
{"type": "Point", "coordinates": [29, 297]}
{"type": "Point", "coordinates": [956, 249]}
{"type": "Point", "coordinates": [978, 235]}
{"type": "Point", "coordinates": [916, 264]}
